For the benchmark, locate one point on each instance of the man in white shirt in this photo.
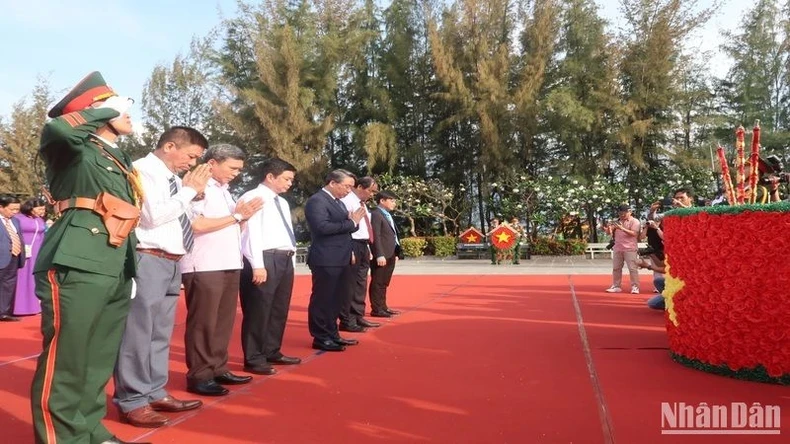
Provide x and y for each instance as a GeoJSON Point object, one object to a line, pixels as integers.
{"type": "Point", "coordinates": [352, 308]}
{"type": "Point", "coordinates": [210, 274]}
{"type": "Point", "coordinates": [267, 278]}
{"type": "Point", "coordinates": [165, 235]}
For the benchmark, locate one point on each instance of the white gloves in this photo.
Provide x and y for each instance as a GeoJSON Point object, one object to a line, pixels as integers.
{"type": "Point", "coordinates": [118, 103]}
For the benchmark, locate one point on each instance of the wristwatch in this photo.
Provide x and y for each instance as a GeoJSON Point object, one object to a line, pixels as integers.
{"type": "Point", "coordinates": [238, 217]}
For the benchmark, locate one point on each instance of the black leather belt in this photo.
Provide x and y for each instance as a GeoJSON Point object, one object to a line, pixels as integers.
{"type": "Point", "coordinates": [288, 253]}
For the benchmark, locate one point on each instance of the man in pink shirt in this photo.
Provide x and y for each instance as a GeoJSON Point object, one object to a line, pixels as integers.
{"type": "Point", "coordinates": [625, 231]}
{"type": "Point", "coordinates": [210, 274]}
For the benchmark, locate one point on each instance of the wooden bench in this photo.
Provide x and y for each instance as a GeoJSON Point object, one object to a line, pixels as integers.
{"type": "Point", "coordinates": [472, 251]}
{"type": "Point", "coordinates": [600, 248]}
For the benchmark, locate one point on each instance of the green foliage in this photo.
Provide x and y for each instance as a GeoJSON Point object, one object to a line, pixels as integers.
{"type": "Point", "coordinates": [441, 246]}
{"type": "Point", "coordinates": [413, 246]}
{"type": "Point", "coordinates": [19, 143]}
{"type": "Point", "coordinates": [549, 246]}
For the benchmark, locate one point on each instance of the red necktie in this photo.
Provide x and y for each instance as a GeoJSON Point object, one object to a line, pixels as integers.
{"type": "Point", "coordinates": [367, 223]}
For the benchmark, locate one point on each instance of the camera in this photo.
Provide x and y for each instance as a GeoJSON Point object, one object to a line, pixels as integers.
{"type": "Point", "coordinates": [772, 168]}
{"type": "Point", "coordinates": [647, 251]}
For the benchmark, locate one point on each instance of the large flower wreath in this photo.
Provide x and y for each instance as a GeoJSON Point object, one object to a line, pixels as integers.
{"type": "Point", "coordinates": [728, 290]}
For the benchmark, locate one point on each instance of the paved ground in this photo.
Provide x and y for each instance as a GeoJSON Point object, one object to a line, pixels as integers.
{"type": "Point", "coordinates": [536, 265]}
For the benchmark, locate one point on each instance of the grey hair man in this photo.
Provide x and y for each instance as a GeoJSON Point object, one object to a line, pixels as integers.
{"type": "Point", "coordinates": [210, 274]}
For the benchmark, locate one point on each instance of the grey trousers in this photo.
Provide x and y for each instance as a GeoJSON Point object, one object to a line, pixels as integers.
{"type": "Point", "coordinates": [142, 368]}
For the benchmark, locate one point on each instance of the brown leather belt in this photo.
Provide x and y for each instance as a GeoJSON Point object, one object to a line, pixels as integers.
{"type": "Point", "coordinates": [288, 253]}
{"type": "Point", "coordinates": [75, 202]}
{"type": "Point", "coordinates": [161, 253]}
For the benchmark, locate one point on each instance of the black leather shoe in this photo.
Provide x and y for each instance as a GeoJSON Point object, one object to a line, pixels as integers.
{"type": "Point", "coordinates": [392, 312]}
{"type": "Point", "coordinates": [260, 369]}
{"type": "Point", "coordinates": [328, 345]}
{"type": "Point", "coordinates": [207, 388]}
{"type": "Point", "coordinates": [380, 314]}
{"type": "Point", "coordinates": [284, 360]}
{"type": "Point", "coordinates": [351, 328]}
{"type": "Point", "coordinates": [344, 341]}
{"type": "Point", "coordinates": [229, 378]}
{"type": "Point", "coordinates": [9, 318]}
{"type": "Point", "coordinates": [116, 440]}
{"type": "Point", "coordinates": [365, 323]}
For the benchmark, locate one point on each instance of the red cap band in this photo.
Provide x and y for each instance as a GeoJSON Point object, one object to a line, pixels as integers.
{"type": "Point", "coordinates": [87, 98]}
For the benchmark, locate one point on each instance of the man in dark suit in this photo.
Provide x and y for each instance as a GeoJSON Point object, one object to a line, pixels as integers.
{"type": "Point", "coordinates": [330, 257]}
{"type": "Point", "coordinates": [386, 252]}
{"type": "Point", "coordinates": [12, 256]}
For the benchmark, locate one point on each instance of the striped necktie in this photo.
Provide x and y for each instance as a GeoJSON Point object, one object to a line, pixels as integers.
{"type": "Point", "coordinates": [16, 244]}
{"type": "Point", "coordinates": [186, 227]}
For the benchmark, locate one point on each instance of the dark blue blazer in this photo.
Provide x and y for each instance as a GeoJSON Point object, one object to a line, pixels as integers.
{"type": "Point", "coordinates": [5, 246]}
{"type": "Point", "coordinates": [330, 231]}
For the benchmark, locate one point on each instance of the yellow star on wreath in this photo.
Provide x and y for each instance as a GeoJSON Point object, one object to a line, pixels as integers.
{"type": "Point", "coordinates": [503, 238]}
{"type": "Point", "coordinates": [672, 285]}
{"type": "Point", "coordinates": [471, 238]}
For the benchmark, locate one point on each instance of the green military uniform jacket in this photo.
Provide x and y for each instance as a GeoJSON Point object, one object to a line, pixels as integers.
{"type": "Point", "coordinates": [80, 165]}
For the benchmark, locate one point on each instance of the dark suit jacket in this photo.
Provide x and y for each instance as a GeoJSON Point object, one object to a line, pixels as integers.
{"type": "Point", "coordinates": [383, 235]}
{"type": "Point", "coordinates": [330, 231]}
{"type": "Point", "coordinates": [5, 246]}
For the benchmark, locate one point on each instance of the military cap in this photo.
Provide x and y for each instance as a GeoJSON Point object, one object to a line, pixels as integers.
{"type": "Point", "coordinates": [89, 90]}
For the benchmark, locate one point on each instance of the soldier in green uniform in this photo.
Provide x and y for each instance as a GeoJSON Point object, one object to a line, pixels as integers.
{"type": "Point", "coordinates": [85, 267]}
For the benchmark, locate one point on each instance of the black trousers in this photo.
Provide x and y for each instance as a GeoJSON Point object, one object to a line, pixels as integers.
{"type": "Point", "coordinates": [379, 281]}
{"type": "Point", "coordinates": [352, 307]}
{"type": "Point", "coordinates": [265, 308]}
{"type": "Point", "coordinates": [329, 289]}
{"type": "Point", "coordinates": [8, 286]}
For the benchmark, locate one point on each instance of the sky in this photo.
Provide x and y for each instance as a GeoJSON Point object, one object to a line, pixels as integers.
{"type": "Point", "coordinates": [63, 41]}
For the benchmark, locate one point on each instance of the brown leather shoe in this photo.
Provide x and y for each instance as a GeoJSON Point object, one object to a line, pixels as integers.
{"type": "Point", "coordinates": [171, 404]}
{"type": "Point", "coordinates": [143, 417]}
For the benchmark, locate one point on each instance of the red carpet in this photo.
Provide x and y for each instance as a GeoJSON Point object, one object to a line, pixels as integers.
{"type": "Point", "coordinates": [472, 359]}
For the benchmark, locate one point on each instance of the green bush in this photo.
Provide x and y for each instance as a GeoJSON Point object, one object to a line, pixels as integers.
{"type": "Point", "coordinates": [441, 246]}
{"type": "Point", "coordinates": [549, 246]}
{"type": "Point", "coordinates": [413, 246]}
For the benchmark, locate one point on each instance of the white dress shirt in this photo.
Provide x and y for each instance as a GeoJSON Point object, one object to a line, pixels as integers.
{"type": "Point", "coordinates": [159, 226]}
{"type": "Point", "coordinates": [215, 250]}
{"type": "Point", "coordinates": [352, 203]}
{"type": "Point", "coordinates": [265, 229]}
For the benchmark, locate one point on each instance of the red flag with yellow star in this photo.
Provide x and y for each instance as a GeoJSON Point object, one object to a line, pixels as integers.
{"type": "Point", "coordinates": [471, 236]}
{"type": "Point", "coordinates": [504, 237]}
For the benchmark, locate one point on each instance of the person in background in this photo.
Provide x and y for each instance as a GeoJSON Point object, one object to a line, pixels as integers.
{"type": "Point", "coordinates": [516, 226]}
{"type": "Point", "coordinates": [386, 252]}
{"type": "Point", "coordinates": [329, 258]}
{"type": "Point", "coordinates": [352, 309]}
{"type": "Point", "coordinates": [31, 220]}
{"type": "Point", "coordinates": [625, 231]}
{"type": "Point", "coordinates": [12, 256]}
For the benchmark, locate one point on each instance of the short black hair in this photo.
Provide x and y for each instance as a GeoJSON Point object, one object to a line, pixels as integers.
{"type": "Point", "coordinates": [685, 190]}
{"type": "Point", "coordinates": [27, 207]}
{"type": "Point", "coordinates": [182, 136]}
{"type": "Point", "coordinates": [384, 195]}
{"type": "Point", "coordinates": [7, 199]}
{"type": "Point", "coordinates": [275, 167]}
{"type": "Point", "coordinates": [364, 182]}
